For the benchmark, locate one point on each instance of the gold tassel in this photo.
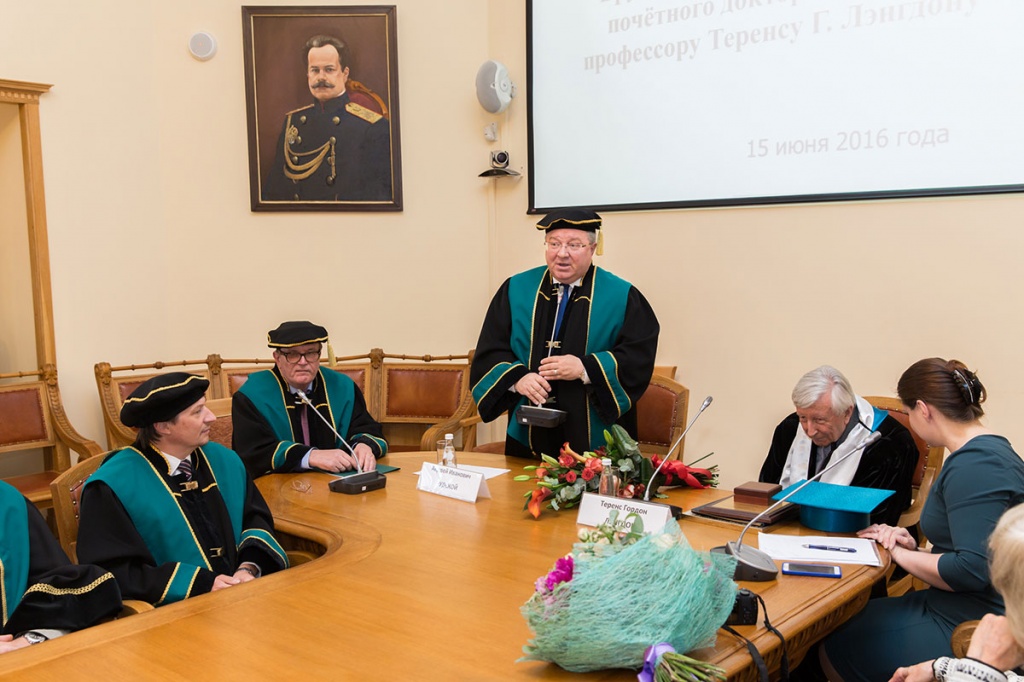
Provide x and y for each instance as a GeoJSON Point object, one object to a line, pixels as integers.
{"type": "Point", "coordinates": [600, 243]}
{"type": "Point", "coordinates": [330, 355]}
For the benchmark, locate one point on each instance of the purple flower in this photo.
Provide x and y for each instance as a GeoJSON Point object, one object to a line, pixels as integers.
{"type": "Point", "coordinates": [652, 655]}
{"type": "Point", "coordinates": [561, 573]}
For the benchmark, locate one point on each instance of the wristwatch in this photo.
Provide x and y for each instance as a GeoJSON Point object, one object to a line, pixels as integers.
{"type": "Point", "coordinates": [33, 637]}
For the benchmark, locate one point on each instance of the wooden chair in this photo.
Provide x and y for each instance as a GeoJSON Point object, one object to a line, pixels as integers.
{"type": "Point", "coordinates": [222, 429]}
{"type": "Point", "coordinates": [929, 463]}
{"type": "Point", "coordinates": [960, 640]}
{"type": "Point", "coordinates": [660, 418]}
{"type": "Point", "coordinates": [33, 420]}
{"type": "Point", "coordinates": [418, 392]}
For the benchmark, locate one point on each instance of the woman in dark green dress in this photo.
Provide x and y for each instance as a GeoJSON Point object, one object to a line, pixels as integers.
{"type": "Point", "coordinates": [980, 479]}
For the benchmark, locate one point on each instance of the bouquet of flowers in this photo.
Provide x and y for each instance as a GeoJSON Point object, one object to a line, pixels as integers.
{"type": "Point", "coordinates": [561, 482]}
{"type": "Point", "coordinates": [605, 602]}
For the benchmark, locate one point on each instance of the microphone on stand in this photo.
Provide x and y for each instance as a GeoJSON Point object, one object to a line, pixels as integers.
{"type": "Point", "coordinates": [757, 566]}
{"type": "Point", "coordinates": [704, 406]}
{"type": "Point", "coordinates": [360, 482]}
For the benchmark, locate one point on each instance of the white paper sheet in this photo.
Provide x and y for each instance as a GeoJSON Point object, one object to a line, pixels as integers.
{"type": "Point", "coordinates": [809, 548]}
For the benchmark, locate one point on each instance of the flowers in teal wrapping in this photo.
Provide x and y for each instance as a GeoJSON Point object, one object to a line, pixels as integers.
{"type": "Point", "coordinates": [602, 604]}
{"type": "Point", "coordinates": [560, 482]}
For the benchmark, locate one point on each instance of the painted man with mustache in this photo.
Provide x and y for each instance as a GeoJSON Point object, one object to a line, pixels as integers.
{"type": "Point", "coordinates": [338, 148]}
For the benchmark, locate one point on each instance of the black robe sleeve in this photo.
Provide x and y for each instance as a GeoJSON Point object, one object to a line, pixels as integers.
{"type": "Point", "coordinates": [255, 442]}
{"type": "Point", "coordinates": [60, 595]}
{"type": "Point", "coordinates": [494, 347]}
{"type": "Point", "coordinates": [635, 351]}
{"type": "Point", "coordinates": [778, 451]}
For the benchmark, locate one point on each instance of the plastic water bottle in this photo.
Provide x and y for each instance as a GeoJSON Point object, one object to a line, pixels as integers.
{"type": "Point", "coordinates": [448, 459]}
{"type": "Point", "coordinates": [608, 484]}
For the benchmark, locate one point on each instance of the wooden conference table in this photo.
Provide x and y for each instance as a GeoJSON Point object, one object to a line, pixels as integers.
{"type": "Point", "coordinates": [411, 586]}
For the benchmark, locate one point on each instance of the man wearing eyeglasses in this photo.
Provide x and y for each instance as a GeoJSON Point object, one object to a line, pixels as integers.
{"type": "Point", "coordinates": [275, 431]}
{"type": "Point", "coordinates": [569, 336]}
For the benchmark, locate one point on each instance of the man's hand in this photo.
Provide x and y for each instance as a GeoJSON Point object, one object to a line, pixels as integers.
{"type": "Point", "coordinates": [992, 643]}
{"type": "Point", "coordinates": [561, 368]}
{"type": "Point", "coordinates": [222, 581]}
{"type": "Point", "coordinates": [334, 460]}
{"type": "Point", "coordinates": [534, 387]}
{"type": "Point", "coordinates": [364, 453]}
{"type": "Point", "coordinates": [9, 643]}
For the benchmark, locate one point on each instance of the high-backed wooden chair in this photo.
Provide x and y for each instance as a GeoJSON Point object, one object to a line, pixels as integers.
{"type": "Point", "coordinates": [32, 419]}
{"type": "Point", "coordinates": [929, 462]}
{"type": "Point", "coordinates": [661, 416]}
{"type": "Point", "coordinates": [222, 429]}
{"type": "Point", "coordinates": [417, 392]}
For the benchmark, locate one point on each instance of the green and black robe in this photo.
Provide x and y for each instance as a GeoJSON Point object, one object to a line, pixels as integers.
{"type": "Point", "coordinates": [40, 589]}
{"type": "Point", "coordinates": [608, 324]}
{"type": "Point", "coordinates": [166, 539]}
{"type": "Point", "coordinates": [266, 421]}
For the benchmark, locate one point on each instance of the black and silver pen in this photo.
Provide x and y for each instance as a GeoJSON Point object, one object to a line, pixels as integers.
{"type": "Point", "coordinates": [829, 548]}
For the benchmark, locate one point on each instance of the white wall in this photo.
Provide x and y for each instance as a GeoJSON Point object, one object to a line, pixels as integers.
{"type": "Point", "coordinates": [155, 254]}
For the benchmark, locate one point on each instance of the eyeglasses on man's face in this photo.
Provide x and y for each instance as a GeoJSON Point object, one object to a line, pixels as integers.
{"type": "Point", "coordinates": [572, 247]}
{"type": "Point", "coordinates": [292, 356]}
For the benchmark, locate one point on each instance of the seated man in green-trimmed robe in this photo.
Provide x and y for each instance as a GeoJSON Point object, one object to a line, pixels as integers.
{"type": "Point", "coordinates": [289, 418]}
{"type": "Point", "coordinates": [175, 515]}
{"type": "Point", "coordinates": [42, 594]}
{"type": "Point", "coordinates": [568, 336]}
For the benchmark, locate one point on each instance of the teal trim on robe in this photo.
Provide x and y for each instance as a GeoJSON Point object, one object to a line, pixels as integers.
{"type": "Point", "coordinates": [272, 400]}
{"type": "Point", "coordinates": [14, 548]}
{"type": "Point", "coordinates": [156, 514]}
{"type": "Point", "coordinates": [607, 301]}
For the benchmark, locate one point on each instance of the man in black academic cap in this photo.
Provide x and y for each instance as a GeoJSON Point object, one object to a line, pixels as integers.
{"type": "Point", "coordinates": [570, 336]}
{"type": "Point", "coordinates": [276, 431]}
{"type": "Point", "coordinates": [44, 595]}
{"type": "Point", "coordinates": [175, 515]}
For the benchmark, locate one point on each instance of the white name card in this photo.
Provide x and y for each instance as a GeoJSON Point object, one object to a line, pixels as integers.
{"type": "Point", "coordinates": [594, 510]}
{"type": "Point", "coordinates": [460, 484]}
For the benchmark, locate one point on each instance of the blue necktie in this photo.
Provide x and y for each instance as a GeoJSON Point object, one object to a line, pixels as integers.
{"type": "Point", "coordinates": [563, 299]}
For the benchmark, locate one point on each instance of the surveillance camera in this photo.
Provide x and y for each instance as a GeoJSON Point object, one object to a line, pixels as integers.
{"type": "Point", "coordinates": [499, 159]}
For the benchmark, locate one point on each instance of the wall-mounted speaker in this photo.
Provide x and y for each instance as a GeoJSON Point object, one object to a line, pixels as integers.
{"type": "Point", "coordinates": [494, 88]}
{"type": "Point", "coordinates": [202, 45]}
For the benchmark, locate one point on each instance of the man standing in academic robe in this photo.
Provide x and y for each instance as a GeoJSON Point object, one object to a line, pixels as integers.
{"type": "Point", "coordinates": [175, 515]}
{"type": "Point", "coordinates": [569, 336]}
{"type": "Point", "coordinates": [275, 431]}
{"type": "Point", "coordinates": [42, 594]}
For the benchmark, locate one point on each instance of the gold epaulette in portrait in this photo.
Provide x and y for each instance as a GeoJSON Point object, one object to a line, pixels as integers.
{"type": "Point", "coordinates": [362, 112]}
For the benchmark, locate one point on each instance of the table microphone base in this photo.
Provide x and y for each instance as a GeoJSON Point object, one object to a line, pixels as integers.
{"type": "Point", "coordinates": [751, 563]}
{"type": "Point", "coordinates": [547, 417]}
{"type": "Point", "coordinates": [359, 483]}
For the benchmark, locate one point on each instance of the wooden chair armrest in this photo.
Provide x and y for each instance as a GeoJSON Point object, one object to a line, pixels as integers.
{"type": "Point", "coordinates": [960, 640]}
{"type": "Point", "coordinates": [65, 431]}
{"type": "Point", "coordinates": [454, 423]}
{"type": "Point", "coordinates": [132, 606]}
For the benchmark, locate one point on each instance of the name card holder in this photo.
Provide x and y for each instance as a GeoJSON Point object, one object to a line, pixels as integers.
{"type": "Point", "coordinates": [594, 510]}
{"type": "Point", "coordinates": [459, 484]}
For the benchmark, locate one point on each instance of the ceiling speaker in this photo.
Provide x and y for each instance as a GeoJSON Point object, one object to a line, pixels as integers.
{"type": "Point", "coordinates": [494, 88]}
{"type": "Point", "coordinates": [202, 45]}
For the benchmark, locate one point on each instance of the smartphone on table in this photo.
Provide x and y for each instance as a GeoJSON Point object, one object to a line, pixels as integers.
{"type": "Point", "coordinates": [815, 570]}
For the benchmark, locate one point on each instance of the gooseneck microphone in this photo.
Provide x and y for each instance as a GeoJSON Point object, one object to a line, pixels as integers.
{"type": "Point", "coordinates": [704, 406]}
{"type": "Point", "coordinates": [360, 482]}
{"type": "Point", "coordinates": [757, 566]}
